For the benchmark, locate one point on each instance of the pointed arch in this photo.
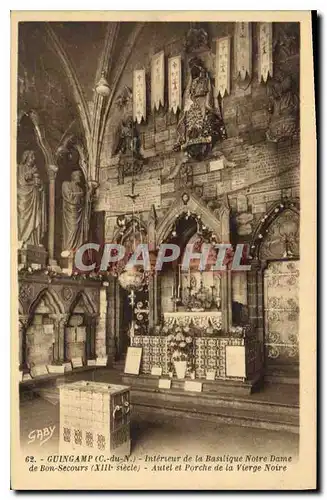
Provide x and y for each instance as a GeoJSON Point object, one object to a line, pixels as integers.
{"type": "Point", "coordinates": [39, 134]}
{"type": "Point", "coordinates": [89, 306]}
{"type": "Point", "coordinates": [74, 83]}
{"type": "Point", "coordinates": [277, 211]}
{"type": "Point", "coordinates": [51, 299]}
{"type": "Point", "coordinates": [217, 221]}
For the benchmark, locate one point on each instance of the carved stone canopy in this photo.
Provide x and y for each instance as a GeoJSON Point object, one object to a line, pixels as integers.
{"type": "Point", "coordinates": [217, 222]}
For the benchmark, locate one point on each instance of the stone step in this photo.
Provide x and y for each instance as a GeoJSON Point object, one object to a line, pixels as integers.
{"type": "Point", "coordinates": [227, 387]}
{"type": "Point", "coordinates": [254, 404]}
{"type": "Point", "coordinates": [228, 415]}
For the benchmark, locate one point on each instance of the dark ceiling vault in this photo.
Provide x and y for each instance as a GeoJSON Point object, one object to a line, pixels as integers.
{"type": "Point", "coordinates": [59, 66]}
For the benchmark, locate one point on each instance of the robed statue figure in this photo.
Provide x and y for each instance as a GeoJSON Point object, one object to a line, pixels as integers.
{"type": "Point", "coordinates": [30, 202]}
{"type": "Point", "coordinates": [201, 123]}
{"type": "Point", "coordinates": [75, 218]}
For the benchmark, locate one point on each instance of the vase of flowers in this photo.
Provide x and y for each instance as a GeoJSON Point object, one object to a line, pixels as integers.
{"type": "Point", "coordinates": [180, 348]}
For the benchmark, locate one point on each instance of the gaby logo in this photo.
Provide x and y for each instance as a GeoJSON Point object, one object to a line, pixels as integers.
{"type": "Point", "coordinates": [41, 435]}
{"type": "Point", "coordinates": [218, 257]}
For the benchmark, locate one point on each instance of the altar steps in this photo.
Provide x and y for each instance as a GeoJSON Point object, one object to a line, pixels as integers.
{"type": "Point", "coordinates": [233, 412]}
{"type": "Point", "coordinates": [273, 408]}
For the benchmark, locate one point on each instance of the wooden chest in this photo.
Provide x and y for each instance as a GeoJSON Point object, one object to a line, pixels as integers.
{"type": "Point", "coordinates": [94, 418]}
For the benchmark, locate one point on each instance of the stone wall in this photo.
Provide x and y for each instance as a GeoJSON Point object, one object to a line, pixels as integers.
{"type": "Point", "coordinates": [252, 171]}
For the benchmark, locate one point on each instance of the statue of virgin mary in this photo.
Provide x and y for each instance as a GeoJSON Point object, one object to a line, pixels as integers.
{"type": "Point", "coordinates": [201, 123]}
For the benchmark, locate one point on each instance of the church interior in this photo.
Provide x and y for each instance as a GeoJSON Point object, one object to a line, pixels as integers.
{"type": "Point", "coordinates": [161, 133]}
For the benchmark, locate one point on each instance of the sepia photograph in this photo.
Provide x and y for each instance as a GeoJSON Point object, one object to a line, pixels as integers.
{"type": "Point", "coordinates": [163, 303]}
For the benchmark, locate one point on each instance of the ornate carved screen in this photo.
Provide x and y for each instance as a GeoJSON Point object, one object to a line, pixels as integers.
{"type": "Point", "coordinates": [281, 301]}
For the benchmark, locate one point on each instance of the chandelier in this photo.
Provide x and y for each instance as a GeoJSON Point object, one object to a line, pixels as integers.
{"type": "Point", "coordinates": [131, 279]}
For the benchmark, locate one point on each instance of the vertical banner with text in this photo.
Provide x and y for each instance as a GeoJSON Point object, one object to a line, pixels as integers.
{"type": "Point", "coordinates": [139, 95]}
{"type": "Point", "coordinates": [175, 83]}
{"type": "Point", "coordinates": [265, 66]}
{"type": "Point", "coordinates": [157, 80]}
{"type": "Point", "coordinates": [223, 65]}
{"type": "Point", "coordinates": [243, 50]}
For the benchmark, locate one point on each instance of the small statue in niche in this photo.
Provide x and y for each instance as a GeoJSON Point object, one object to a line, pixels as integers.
{"type": "Point", "coordinates": [201, 123]}
{"type": "Point", "coordinates": [30, 202]}
{"type": "Point", "coordinates": [127, 139]}
{"type": "Point", "coordinates": [283, 108]}
{"type": "Point", "coordinates": [74, 212]}
{"type": "Point", "coordinates": [127, 143]}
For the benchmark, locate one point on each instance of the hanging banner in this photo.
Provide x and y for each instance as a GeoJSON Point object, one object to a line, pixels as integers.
{"type": "Point", "coordinates": [223, 66]}
{"type": "Point", "coordinates": [157, 80]}
{"type": "Point", "coordinates": [265, 67]}
{"type": "Point", "coordinates": [243, 50]}
{"type": "Point", "coordinates": [139, 95]}
{"type": "Point", "coordinates": [175, 83]}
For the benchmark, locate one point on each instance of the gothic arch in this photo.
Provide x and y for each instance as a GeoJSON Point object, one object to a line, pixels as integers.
{"type": "Point", "coordinates": [217, 221]}
{"type": "Point", "coordinates": [89, 306]}
{"type": "Point", "coordinates": [266, 225]}
{"type": "Point", "coordinates": [73, 80]}
{"type": "Point", "coordinates": [39, 134]}
{"type": "Point", "coordinates": [51, 299]}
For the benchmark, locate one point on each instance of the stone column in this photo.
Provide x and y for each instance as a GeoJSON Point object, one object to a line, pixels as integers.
{"type": "Point", "coordinates": [22, 327]}
{"type": "Point", "coordinates": [157, 298]}
{"type": "Point", "coordinates": [52, 172]}
{"type": "Point", "coordinates": [111, 305]}
{"type": "Point", "coordinates": [60, 323]}
{"type": "Point", "coordinates": [224, 294]}
{"type": "Point", "coordinates": [100, 330]}
{"type": "Point", "coordinates": [91, 336]}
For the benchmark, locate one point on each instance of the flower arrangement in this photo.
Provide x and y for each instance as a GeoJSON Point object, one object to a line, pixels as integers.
{"type": "Point", "coordinates": [180, 344]}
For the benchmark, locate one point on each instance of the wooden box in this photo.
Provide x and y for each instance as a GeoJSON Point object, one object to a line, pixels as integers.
{"type": "Point", "coordinates": [94, 418]}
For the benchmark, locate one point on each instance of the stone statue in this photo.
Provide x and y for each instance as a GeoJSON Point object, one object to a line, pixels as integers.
{"type": "Point", "coordinates": [201, 123]}
{"type": "Point", "coordinates": [75, 221]}
{"type": "Point", "coordinates": [30, 202]}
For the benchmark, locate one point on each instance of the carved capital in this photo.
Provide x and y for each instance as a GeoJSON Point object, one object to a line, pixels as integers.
{"type": "Point", "coordinates": [23, 321]}
{"type": "Point", "coordinates": [52, 172]}
{"type": "Point", "coordinates": [60, 320]}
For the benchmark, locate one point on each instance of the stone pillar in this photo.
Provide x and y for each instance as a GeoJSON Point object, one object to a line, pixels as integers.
{"type": "Point", "coordinates": [91, 335]}
{"type": "Point", "coordinates": [154, 302]}
{"type": "Point", "coordinates": [52, 172]}
{"type": "Point", "coordinates": [157, 298]}
{"type": "Point", "coordinates": [100, 330]}
{"type": "Point", "coordinates": [111, 319]}
{"type": "Point", "coordinates": [60, 323]}
{"type": "Point", "coordinates": [22, 327]}
{"type": "Point", "coordinates": [224, 294]}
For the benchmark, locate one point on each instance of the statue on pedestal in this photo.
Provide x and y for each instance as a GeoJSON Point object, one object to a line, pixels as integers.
{"type": "Point", "coordinates": [75, 221]}
{"type": "Point", "coordinates": [201, 123]}
{"type": "Point", "coordinates": [31, 209]}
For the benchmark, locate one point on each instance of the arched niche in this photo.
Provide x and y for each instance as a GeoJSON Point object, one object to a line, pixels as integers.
{"type": "Point", "coordinates": [70, 157]}
{"type": "Point", "coordinates": [216, 219]}
{"type": "Point", "coordinates": [79, 335]}
{"type": "Point", "coordinates": [273, 286]}
{"type": "Point", "coordinates": [39, 335]}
